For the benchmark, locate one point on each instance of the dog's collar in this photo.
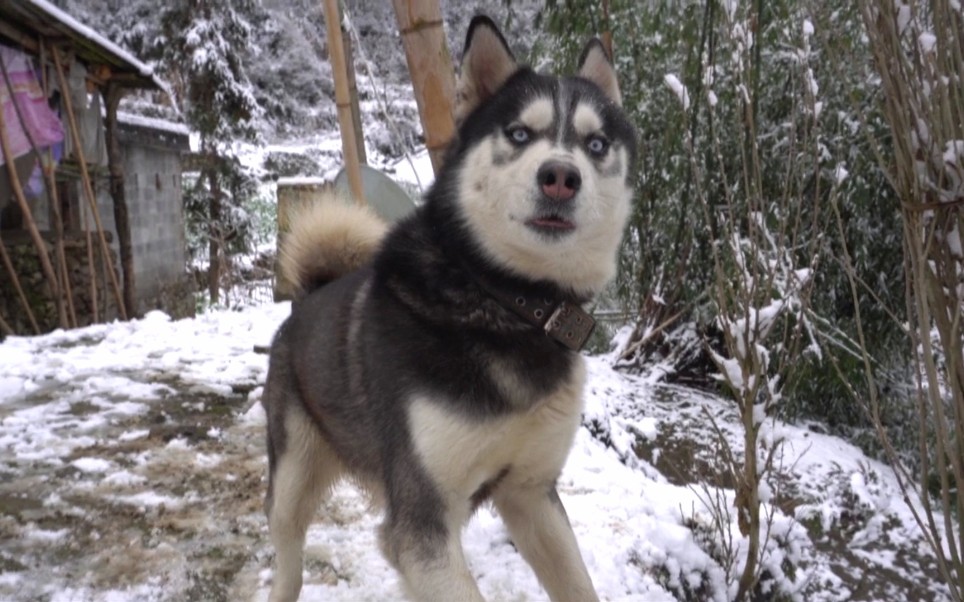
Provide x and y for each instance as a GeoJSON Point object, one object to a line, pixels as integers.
{"type": "Point", "coordinates": [565, 322]}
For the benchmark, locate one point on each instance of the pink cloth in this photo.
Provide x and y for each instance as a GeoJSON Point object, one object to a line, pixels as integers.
{"type": "Point", "coordinates": [42, 123]}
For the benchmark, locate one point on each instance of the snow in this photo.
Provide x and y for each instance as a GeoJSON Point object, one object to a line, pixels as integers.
{"type": "Point", "coordinates": [927, 41]}
{"type": "Point", "coordinates": [98, 39]}
{"type": "Point", "coordinates": [904, 16]}
{"type": "Point", "coordinates": [302, 181]}
{"type": "Point", "coordinates": [153, 123]}
{"type": "Point", "coordinates": [678, 89]}
{"type": "Point", "coordinates": [152, 429]}
{"type": "Point", "coordinates": [840, 173]}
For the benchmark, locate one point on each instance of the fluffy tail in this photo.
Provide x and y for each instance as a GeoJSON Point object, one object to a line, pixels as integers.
{"type": "Point", "coordinates": [328, 239]}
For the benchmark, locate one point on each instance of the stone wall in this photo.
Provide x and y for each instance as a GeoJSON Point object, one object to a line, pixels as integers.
{"type": "Point", "coordinates": [23, 255]}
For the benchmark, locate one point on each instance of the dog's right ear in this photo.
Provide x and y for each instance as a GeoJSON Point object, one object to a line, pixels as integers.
{"type": "Point", "coordinates": [487, 63]}
{"type": "Point", "coordinates": [596, 65]}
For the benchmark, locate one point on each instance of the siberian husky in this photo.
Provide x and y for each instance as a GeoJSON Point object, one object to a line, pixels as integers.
{"type": "Point", "coordinates": [436, 363]}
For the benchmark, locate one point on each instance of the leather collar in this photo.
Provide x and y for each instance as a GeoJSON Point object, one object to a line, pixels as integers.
{"type": "Point", "coordinates": [565, 322]}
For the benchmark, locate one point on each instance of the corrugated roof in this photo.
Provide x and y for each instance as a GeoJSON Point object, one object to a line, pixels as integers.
{"type": "Point", "coordinates": [25, 22]}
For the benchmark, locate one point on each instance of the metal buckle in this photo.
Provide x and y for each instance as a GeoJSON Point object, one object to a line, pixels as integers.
{"type": "Point", "coordinates": [570, 325]}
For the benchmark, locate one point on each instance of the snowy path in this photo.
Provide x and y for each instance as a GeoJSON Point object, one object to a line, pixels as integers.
{"type": "Point", "coordinates": [132, 468]}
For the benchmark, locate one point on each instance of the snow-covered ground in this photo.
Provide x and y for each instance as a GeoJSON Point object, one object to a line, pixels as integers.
{"type": "Point", "coordinates": [132, 468]}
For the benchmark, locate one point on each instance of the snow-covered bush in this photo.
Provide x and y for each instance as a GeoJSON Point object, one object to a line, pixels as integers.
{"type": "Point", "coordinates": [812, 103]}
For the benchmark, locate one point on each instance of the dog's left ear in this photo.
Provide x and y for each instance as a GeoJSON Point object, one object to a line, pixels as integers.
{"type": "Point", "coordinates": [487, 63]}
{"type": "Point", "coordinates": [595, 65]}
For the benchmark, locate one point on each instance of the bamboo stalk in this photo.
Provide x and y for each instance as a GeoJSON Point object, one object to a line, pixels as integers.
{"type": "Point", "coordinates": [16, 284]}
{"type": "Point", "coordinates": [68, 290]}
{"type": "Point", "coordinates": [85, 178]}
{"type": "Point", "coordinates": [339, 68]}
{"type": "Point", "coordinates": [430, 66]}
{"type": "Point", "coordinates": [353, 100]}
{"type": "Point", "coordinates": [607, 34]}
{"type": "Point", "coordinates": [53, 202]}
{"type": "Point", "coordinates": [38, 241]}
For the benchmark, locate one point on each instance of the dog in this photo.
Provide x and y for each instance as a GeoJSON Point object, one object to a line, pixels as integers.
{"type": "Point", "coordinates": [436, 363]}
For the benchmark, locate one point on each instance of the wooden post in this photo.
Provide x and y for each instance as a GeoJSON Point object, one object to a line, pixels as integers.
{"type": "Point", "coordinates": [353, 100]}
{"type": "Point", "coordinates": [112, 96]}
{"type": "Point", "coordinates": [430, 65]}
{"type": "Point", "coordinates": [215, 235]}
{"type": "Point", "coordinates": [85, 178]}
{"type": "Point", "coordinates": [336, 54]}
{"type": "Point", "coordinates": [38, 241]}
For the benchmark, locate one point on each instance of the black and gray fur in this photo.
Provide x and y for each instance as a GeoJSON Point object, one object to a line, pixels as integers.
{"type": "Point", "coordinates": [408, 377]}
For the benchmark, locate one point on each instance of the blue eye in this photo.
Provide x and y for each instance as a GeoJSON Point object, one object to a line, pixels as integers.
{"type": "Point", "coordinates": [519, 134]}
{"type": "Point", "coordinates": [597, 145]}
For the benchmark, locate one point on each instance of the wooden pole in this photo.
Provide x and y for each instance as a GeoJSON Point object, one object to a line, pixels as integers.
{"type": "Point", "coordinates": [353, 100]}
{"type": "Point", "coordinates": [607, 34]}
{"type": "Point", "coordinates": [50, 187]}
{"type": "Point", "coordinates": [430, 65]}
{"type": "Point", "coordinates": [336, 54]}
{"type": "Point", "coordinates": [68, 289]}
{"type": "Point", "coordinates": [16, 284]}
{"type": "Point", "coordinates": [85, 178]}
{"type": "Point", "coordinates": [49, 167]}
{"type": "Point", "coordinates": [112, 96]}
{"type": "Point", "coordinates": [38, 241]}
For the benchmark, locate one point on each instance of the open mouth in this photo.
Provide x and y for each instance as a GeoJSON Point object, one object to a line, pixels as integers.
{"type": "Point", "coordinates": [551, 224]}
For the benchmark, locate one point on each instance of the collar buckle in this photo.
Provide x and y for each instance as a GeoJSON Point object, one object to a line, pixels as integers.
{"type": "Point", "coordinates": [570, 325]}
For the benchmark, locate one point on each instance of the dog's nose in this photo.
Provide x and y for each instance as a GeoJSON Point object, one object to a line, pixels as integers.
{"type": "Point", "coordinates": [559, 181]}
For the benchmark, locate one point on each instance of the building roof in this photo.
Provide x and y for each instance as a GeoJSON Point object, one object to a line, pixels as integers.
{"type": "Point", "coordinates": [26, 22]}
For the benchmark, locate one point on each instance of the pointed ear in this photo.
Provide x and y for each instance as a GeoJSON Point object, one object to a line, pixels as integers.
{"type": "Point", "coordinates": [595, 65]}
{"type": "Point", "coordinates": [487, 63]}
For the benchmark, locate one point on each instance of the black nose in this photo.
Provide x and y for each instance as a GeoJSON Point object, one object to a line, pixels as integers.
{"type": "Point", "coordinates": [559, 181]}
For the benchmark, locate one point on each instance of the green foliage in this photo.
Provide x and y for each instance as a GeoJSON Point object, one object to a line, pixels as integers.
{"type": "Point", "coordinates": [243, 217]}
{"type": "Point", "coordinates": [290, 164]}
{"type": "Point", "coordinates": [666, 265]}
{"type": "Point", "coordinates": [198, 46]}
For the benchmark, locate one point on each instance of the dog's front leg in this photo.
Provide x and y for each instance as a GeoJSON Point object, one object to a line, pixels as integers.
{"type": "Point", "coordinates": [430, 559]}
{"type": "Point", "coordinates": [540, 530]}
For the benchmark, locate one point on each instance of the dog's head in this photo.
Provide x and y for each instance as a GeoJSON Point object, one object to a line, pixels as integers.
{"type": "Point", "coordinates": [542, 163]}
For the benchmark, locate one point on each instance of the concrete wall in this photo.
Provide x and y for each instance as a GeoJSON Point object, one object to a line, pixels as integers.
{"type": "Point", "coordinates": [152, 170]}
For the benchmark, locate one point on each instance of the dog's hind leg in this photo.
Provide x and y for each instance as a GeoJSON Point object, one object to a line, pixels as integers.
{"type": "Point", "coordinates": [425, 545]}
{"type": "Point", "coordinates": [540, 530]}
{"type": "Point", "coordinates": [303, 471]}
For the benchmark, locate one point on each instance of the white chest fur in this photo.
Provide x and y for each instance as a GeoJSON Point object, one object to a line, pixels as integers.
{"type": "Point", "coordinates": [461, 454]}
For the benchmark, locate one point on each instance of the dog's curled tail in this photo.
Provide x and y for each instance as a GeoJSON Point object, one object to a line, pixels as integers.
{"type": "Point", "coordinates": [327, 240]}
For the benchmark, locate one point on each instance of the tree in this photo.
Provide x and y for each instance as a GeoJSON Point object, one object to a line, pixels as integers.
{"type": "Point", "coordinates": [755, 178]}
{"type": "Point", "coordinates": [917, 49]}
{"type": "Point", "coordinates": [202, 47]}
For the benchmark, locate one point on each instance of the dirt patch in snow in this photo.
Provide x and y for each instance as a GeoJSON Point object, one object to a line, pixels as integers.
{"type": "Point", "coordinates": [167, 502]}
